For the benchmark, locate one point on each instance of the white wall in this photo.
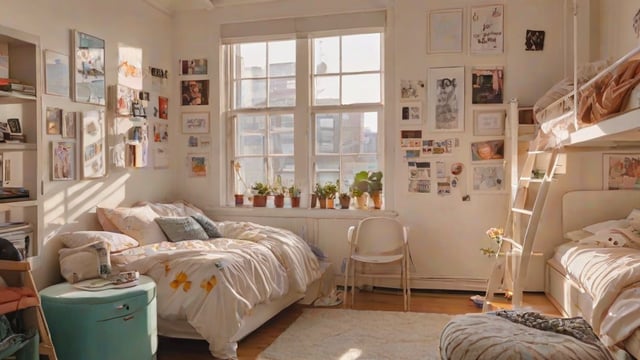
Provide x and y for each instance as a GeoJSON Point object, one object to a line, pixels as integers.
{"type": "Point", "coordinates": [69, 205]}
{"type": "Point", "coordinates": [446, 233]}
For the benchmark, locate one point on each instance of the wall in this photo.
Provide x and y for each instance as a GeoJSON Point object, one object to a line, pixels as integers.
{"type": "Point", "coordinates": [445, 232]}
{"type": "Point", "coordinates": [69, 205]}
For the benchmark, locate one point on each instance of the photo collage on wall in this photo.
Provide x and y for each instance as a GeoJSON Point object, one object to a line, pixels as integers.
{"type": "Point", "coordinates": [194, 120]}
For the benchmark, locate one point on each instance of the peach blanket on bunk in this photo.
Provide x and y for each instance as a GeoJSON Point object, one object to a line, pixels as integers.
{"type": "Point", "coordinates": [604, 97]}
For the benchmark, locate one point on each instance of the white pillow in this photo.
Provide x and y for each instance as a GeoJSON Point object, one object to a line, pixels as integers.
{"type": "Point", "coordinates": [117, 241]}
{"type": "Point", "coordinates": [577, 235]}
{"type": "Point", "coordinates": [106, 224]}
{"type": "Point", "coordinates": [85, 262]}
{"type": "Point", "coordinates": [634, 215]}
{"type": "Point", "coordinates": [137, 222]}
{"type": "Point", "coordinates": [605, 225]}
{"type": "Point", "coordinates": [608, 239]}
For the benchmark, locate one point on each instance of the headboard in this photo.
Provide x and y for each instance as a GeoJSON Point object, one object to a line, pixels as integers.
{"type": "Point", "coordinates": [582, 208]}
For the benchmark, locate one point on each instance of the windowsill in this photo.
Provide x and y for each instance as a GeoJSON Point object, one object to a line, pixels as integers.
{"type": "Point", "coordinates": [250, 211]}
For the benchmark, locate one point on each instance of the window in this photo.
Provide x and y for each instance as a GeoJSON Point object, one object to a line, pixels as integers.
{"type": "Point", "coordinates": [324, 88]}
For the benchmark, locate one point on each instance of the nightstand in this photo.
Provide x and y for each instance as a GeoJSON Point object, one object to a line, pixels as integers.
{"type": "Point", "coordinates": [112, 324]}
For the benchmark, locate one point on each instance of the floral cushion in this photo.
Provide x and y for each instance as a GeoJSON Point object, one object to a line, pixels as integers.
{"type": "Point", "coordinates": [117, 241]}
{"type": "Point", "coordinates": [137, 222]}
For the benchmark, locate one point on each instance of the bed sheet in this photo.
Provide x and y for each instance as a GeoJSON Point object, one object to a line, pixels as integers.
{"type": "Point", "coordinates": [611, 277]}
{"type": "Point", "coordinates": [214, 284]}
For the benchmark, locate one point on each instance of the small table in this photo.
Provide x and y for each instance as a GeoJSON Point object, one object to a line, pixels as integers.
{"type": "Point", "coordinates": [112, 324]}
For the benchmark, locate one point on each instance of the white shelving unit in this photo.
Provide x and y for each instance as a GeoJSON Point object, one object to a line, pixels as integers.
{"type": "Point", "coordinates": [21, 161]}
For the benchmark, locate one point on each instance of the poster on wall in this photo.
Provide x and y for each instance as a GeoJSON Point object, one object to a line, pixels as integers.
{"type": "Point", "coordinates": [93, 140]}
{"type": "Point", "coordinates": [487, 85]}
{"type": "Point", "coordinates": [488, 178]}
{"type": "Point", "coordinates": [446, 99]}
{"type": "Point", "coordinates": [130, 67]}
{"type": "Point", "coordinates": [63, 158]}
{"type": "Point", "coordinates": [621, 171]}
{"type": "Point", "coordinates": [487, 33]}
{"type": "Point", "coordinates": [419, 176]}
{"type": "Point", "coordinates": [56, 73]}
{"type": "Point", "coordinates": [445, 31]}
{"type": "Point", "coordinates": [89, 69]}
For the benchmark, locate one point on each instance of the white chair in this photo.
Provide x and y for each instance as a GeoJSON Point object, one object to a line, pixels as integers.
{"type": "Point", "coordinates": [378, 240]}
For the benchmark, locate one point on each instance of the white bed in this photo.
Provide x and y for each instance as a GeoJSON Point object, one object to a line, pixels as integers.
{"type": "Point", "coordinates": [580, 209]}
{"type": "Point", "coordinates": [218, 287]}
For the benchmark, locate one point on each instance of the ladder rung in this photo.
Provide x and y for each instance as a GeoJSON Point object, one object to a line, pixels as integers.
{"type": "Point", "coordinates": [533, 180]}
{"type": "Point", "coordinates": [513, 243]}
{"type": "Point", "coordinates": [522, 211]}
{"type": "Point", "coordinates": [534, 152]}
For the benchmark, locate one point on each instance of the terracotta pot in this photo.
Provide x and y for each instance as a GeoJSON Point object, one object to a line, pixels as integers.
{"type": "Point", "coordinates": [314, 200]}
{"type": "Point", "coordinates": [323, 203]}
{"type": "Point", "coordinates": [239, 199]}
{"type": "Point", "coordinates": [330, 204]}
{"type": "Point", "coordinates": [295, 202]}
{"type": "Point", "coordinates": [377, 199]}
{"type": "Point", "coordinates": [345, 201]}
{"type": "Point", "coordinates": [259, 200]}
{"type": "Point", "coordinates": [278, 201]}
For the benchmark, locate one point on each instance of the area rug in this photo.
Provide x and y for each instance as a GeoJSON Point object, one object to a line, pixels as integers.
{"type": "Point", "coordinates": [342, 334]}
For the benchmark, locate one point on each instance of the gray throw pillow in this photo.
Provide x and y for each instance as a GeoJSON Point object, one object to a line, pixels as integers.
{"type": "Point", "coordinates": [208, 225]}
{"type": "Point", "coordinates": [181, 228]}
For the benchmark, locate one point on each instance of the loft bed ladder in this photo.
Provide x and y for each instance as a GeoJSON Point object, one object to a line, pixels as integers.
{"type": "Point", "coordinates": [520, 230]}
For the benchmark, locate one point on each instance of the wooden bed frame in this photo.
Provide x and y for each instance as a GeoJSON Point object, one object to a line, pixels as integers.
{"type": "Point", "coordinates": [579, 209]}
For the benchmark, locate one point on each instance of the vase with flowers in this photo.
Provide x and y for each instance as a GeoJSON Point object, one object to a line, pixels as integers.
{"type": "Point", "coordinates": [495, 234]}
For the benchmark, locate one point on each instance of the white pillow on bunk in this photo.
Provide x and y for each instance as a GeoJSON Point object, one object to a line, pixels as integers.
{"type": "Point", "coordinates": [577, 235]}
{"type": "Point", "coordinates": [606, 225]}
{"type": "Point", "coordinates": [634, 215]}
{"type": "Point", "coordinates": [608, 239]}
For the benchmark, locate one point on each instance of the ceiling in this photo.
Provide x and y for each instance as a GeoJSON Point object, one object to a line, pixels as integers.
{"type": "Point", "coordinates": [172, 6]}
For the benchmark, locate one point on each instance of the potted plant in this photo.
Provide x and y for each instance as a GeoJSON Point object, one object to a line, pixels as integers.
{"type": "Point", "coordinates": [260, 193]}
{"type": "Point", "coordinates": [345, 200]}
{"type": "Point", "coordinates": [239, 196]}
{"type": "Point", "coordinates": [294, 194]}
{"type": "Point", "coordinates": [360, 189]}
{"type": "Point", "coordinates": [375, 188]}
{"type": "Point", "coordinates": [326, 194]}
{"type": "Point", "coordinates": [278, 193]}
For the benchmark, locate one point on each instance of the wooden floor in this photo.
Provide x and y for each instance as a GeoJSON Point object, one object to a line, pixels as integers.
{"type": "Point", "coordinates": [421, 301]}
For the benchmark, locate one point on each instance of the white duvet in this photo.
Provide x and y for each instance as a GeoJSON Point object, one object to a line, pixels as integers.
{"type": "Point", "coordinates": [611, 277]}
{"type": "Point", "coordinates": [214, 284]}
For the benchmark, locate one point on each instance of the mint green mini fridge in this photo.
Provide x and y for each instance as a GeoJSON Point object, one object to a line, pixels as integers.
{"type": "Point", "coordinates": [112, 324]}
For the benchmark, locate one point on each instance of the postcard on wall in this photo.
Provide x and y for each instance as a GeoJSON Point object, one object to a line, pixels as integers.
{"type": "Point", "coordinates": [488, 122]}
{"type": "Point", "coordinates": [160, 157]}
{"type": "Point", "coordinates": [487, 150]}
{"type": "Point", "coordinates": [163, 107]}
{"type": "Point", "coordinates": [419, 176]}
{"type": "Point", "coordinates": [197, 165]}
{"type": "Point", "coordinates": [410, 138]}
{"type": "Point", "coordinates": [69, 123]}
{"type": "Point", "coordinates": [439, 147]}
{"type": "Point", "coordinates": [130, 67]}
{"type": "Point", "coordinates": [621, 171]}
{"type": "Point", "coordinates": [534, 40]}
{"type": "Point", "coordinates": [487, 85]}
{"type": "Point", "coordinates": [487, 33]}
{"type": "Point", "coordinates": [124, 100]}
{"type": "Point", "coordinates": [160, 132]}
{"type": "Point", "coordinates": [63, 160]}
{"type": "Point", "coordinates": [489, 178]}
{"type": "Point", "coordinates": [56, 73]}
{"type": "Point", "coordinates": [445, 31]}
{"type": "Point", "coordinates": [411, 90]}
{"type": "Point", "coordinates": [195, 122]}
{"type": "Point", "coordinates": [193, 67]}
{"type": "Point", "coordinates": [89, 69]}
{"type": "Point", "coordinates": [446, 99]}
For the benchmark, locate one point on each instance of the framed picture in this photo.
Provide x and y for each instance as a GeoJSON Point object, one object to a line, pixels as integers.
{"type": "Point", "coordinates": [88, 69]}
{"type": "Point", "coordinates": [411, 113]}
{"type": "Point", "coordinates": [488, 122]}
{"type": "Point", "coordinates": [193, 67]}
{"type": "Point", "coordinates": [56, 73]}
{"type": "Point", "coordinates": [54, 121]}
{"type": "Point", "coordinates": [195, 92]}
{"type": "Point", "coordinates": [93, 158]}
{"type": "Point", "coordinates": [69, 125]}
{"type": "Point", "coordinates": [446, 99]}
{"type": "Point", "coordinates": [163, 106]}
{"type": "Point", "coordinates": [124, 101]}
{"type": "Point", "coordinates": [488, 178]}
{"type": "Point", "coordinates": [487, 85]}
{"type": "Point", "coordinates": [197, 165]}
{"type": "Point", "coordinates": [411, 90]}
{"type": "Point", "coordinates": [621, 171]}
{"type": "Point", "coordinates": [195, 123]}
{"type": "Point", "coordinates": [445, 31]}
{"type": "Point", "coordinates": [130, 67]}
{"type": "Point", "coordinates": [487, 150]}
{"type": "Point", "coordinates": [14, 126]}
{"type": "Point", "coordinates": [63, 160]}
{"type": "Point", "coordinates": [487, 33]}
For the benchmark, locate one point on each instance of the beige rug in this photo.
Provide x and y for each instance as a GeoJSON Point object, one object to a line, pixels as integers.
{"type": "Point", "coordinates": [354, 334]}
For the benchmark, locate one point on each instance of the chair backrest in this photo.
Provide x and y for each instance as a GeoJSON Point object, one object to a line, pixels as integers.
{"type": "Point", "coordinates": [379, 235]}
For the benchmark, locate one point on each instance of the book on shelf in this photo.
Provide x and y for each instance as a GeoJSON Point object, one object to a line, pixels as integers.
{"type": "Point", "coordinates": [8, 194]}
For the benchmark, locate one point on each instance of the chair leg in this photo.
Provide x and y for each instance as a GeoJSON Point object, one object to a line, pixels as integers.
{"type": "Point", "coordinates": [346, 283]}
{"type": "Point", "coordinates": [353, 283]}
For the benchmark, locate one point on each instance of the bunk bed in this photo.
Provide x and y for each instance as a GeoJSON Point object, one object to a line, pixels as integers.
{"type": "Point", "coordinates": [603, 114]}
